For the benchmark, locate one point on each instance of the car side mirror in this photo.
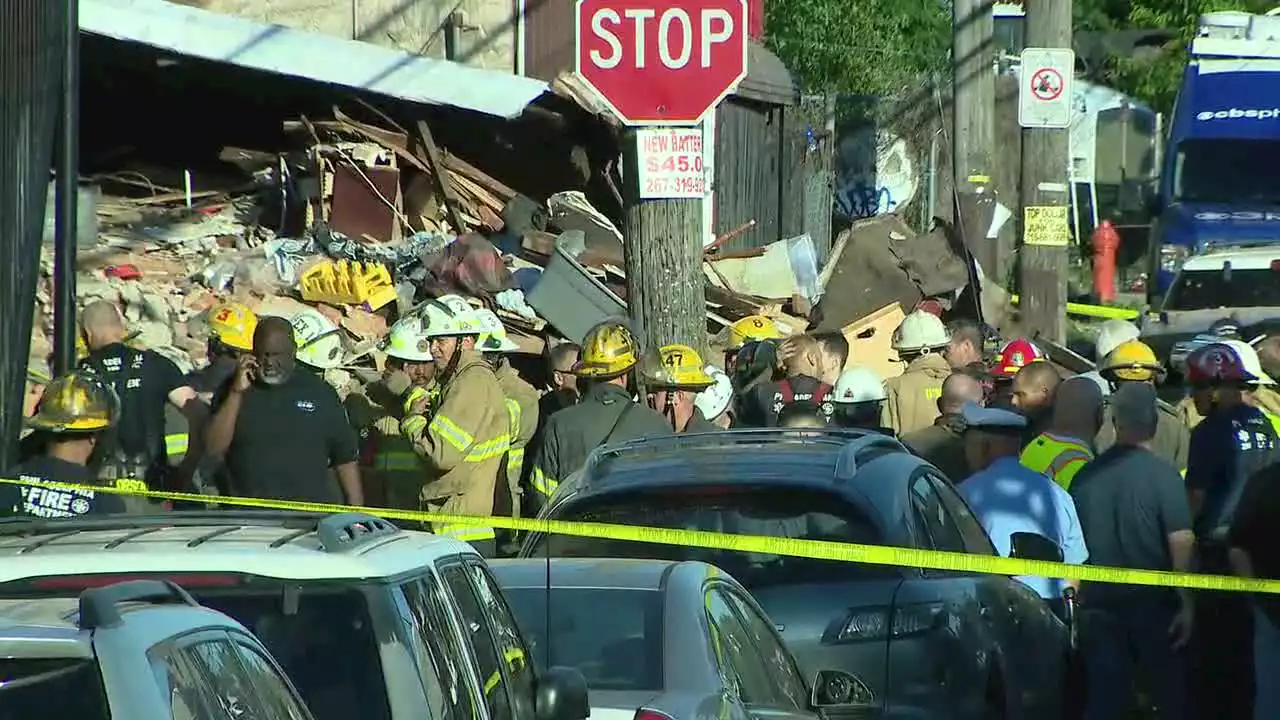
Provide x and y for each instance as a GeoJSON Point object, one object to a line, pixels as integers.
{"type": "Point", "coordinates": [835, 689]}
{"type": "Point", "coordinates": [1032, 546]}
{"type": "Point", "coordinates": [561, 695]}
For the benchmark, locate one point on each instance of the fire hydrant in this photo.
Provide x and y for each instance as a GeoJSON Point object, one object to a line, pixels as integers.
{"type": "Point", "coordinates": [1106, 241]}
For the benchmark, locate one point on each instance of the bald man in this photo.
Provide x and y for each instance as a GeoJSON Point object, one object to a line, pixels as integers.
{"type": "Point", "coordinates": [144, 381]}
{"type": "Point", "coordinates": [942, 443]}
{"type": "Point", "coordinates": [284, 434]}
{"type": "Point", "coordinates": [1033, 390]}
{"type": "Point", "coordinates": [1066, 445]}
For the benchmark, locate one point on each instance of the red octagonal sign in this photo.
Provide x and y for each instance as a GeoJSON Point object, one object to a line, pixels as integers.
{"type": "Point", "coordinates": [662, 62]}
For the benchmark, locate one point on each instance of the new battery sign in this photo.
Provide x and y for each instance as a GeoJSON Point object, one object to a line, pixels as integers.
{"type": "Point", "coordinates": [657, 62]}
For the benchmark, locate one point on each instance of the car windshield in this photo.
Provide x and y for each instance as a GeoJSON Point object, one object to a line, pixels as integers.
{"type": "Point", "coordinates": [616, 650]}
{"type": "Point", "coordinates": [325, 643]}
{"type": "Point", "coordinates": [1221, 170]}
{"type": "Point", "coordinates": [791, 513]}
{"type": "Point", "coordinates": [62, 688]}
{"type": "Point", "coordinates": [1211, 289]}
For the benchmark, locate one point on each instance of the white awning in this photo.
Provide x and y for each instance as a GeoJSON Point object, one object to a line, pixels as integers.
{"type": "Point", "coordinates": [277, 49]}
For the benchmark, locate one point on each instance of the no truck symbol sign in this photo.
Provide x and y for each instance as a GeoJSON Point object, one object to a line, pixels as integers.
{"type": "Point", "coordinates": [1046, 84]}
{"type": "Point", "coordinates": [1044, 90]}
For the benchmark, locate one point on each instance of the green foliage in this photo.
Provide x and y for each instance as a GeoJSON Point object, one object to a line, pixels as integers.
{"type": "Point", "coordinates": [862, 47]}
{"type": "Point", "coordinates": [1153, 77]}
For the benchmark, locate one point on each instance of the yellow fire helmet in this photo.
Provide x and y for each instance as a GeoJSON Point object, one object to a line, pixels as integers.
{"type": "Point", "coordinates": [752, 328]}
{"type": "Point", "coordinates": [678, 367]}
{"type": "Point", "coordinates": [76, 402]}
{"type": "Point", "coordinates": [608, 350]}
{"type": "Point", "coordinates": [233, 324]}
{"type": "Point", "coordinates": [1132, 360]}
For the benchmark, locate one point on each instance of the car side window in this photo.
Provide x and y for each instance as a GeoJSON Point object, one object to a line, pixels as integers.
{"type": "Point", "coordinates": [438, 643]}
{"type": "Point", "coordinates": [185, 686]}
{"type": "Point", "coordinates": [510, 643]}
{"type": "Point", "coordinates": [972, 534]}
{"type": "Point", "coordinates": [792, 691]}
{"type": "Point", "coordinates": [940, 531]}
{"type": "Point", "coordinates": [277, 698]}
{"type": "Point", "coordinates": [480, 636]}
{"type": "Point", "coordinates": [744, 673]}
{"type": "Point", "coordinates": [233, 689]}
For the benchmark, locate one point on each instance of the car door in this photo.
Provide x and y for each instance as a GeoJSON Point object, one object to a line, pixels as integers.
{"type": "Point", "coordinates": [275, 693]}
{"type": "Point", "coordinates": [205, 675]}
{"type": "Point", "coordinates": [1025, 629]}
{"type": "Point", "coordinates": [942, 618]}
{"type": "Point", "coordinates": [791, 693]}
{"type": "Point", "coordinates": [452, 688]}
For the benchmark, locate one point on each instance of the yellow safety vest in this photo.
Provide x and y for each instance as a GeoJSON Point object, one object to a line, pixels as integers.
{"type": "Point", "coordinates": [1056, 457]}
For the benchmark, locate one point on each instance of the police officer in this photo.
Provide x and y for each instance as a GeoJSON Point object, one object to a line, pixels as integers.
{"type": "Point", "coordinates": [1234, 442]}
{"type": "Point", "coordinates": [133, 452]}
{"type": "Point", "coordinates": [673, 384]}
{"type": "Point", "coordinates": [606, 414]}
{"type": "Point", "coordinates": [859, 400]}
{"type": "Point", "coordinates": [1134, 361]}
{"type": "Point", "coordinates": [521, 400]}
{"type": "Point", "coordinates": [463, 440]}
{"type": "Point", "coordinates": [74, 412]}
{"type": "Point", "coordinates": [911, 401]}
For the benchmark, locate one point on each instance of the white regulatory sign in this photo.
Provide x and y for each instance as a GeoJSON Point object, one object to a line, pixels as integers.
{"type": "Point", "coordinates": [671, 163]}
{"type": "Point", "coordinates": [1044, 87]}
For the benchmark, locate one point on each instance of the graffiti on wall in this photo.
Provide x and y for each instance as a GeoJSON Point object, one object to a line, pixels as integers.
{"type": "Point", "coordinates": [875, 174]}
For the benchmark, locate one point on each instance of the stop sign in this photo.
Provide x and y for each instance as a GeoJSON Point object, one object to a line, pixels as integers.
{"type": "Point", "coordinates": [662, 62]}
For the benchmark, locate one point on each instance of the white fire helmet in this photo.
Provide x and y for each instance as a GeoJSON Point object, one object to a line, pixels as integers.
{"type": "Point", "coordinates": [713, 401]}
{"type": "Point", "coordinates": [920, 330]}
{"type": "Point", "coordinates": [493, 335]}
{"type": "Point", "coordinates": [407, 341]}
{"type": "Point", "coordinates": [1111, 335]}
{"type": "Point", "coordinates": [858, 385]}
{"type": "Point", "coordinates": [319, 339]}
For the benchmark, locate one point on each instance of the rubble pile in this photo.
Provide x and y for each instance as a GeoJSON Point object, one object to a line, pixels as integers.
{"type": "Point", "coordinates": [364, 221]}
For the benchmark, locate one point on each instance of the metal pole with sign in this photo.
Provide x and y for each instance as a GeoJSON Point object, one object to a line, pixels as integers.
{"type": "Point", "coordinates": [1044, 112]}
{"type": "Point", "coordinates": [662, 66]}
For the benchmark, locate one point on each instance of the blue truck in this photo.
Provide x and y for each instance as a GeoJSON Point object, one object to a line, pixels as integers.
{"type": "Point", "coordinates": [1220, 182]}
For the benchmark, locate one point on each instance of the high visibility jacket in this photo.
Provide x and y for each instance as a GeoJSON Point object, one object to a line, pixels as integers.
{"type": "Point", "coordinates": [463, 445]}
{"type": "Point", "coordinates": [911, 401]}
{"type": "Point", "coordinates": [1057, 457]}
{"type": "Point", "coordinates": [522, 415]}
{"type": "Point", "coordinates": [395, 461]}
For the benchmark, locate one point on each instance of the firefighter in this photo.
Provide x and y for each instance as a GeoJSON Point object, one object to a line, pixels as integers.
{"type": "Point", "coordinates": [1257, 395]}
{"type": "Point", "coordinates": [607, 412]}
{"type": "Point", "coordinates": [716, 402]}
{"type": "Point", "coordinates": [319, 341]}
{"type": "Point", "coordinates": [464, 440]}
{"type": "Point", "coordinates": [859, 400]}
{"type": "Point", "coordinates": [410, 378]}
{"type": "Point", "coordinates": [911, 401]}
{"type": "Point", "coordinates": [1134, 361]}
{"type": "Point", "coordinates": [673, 384]}
{"type": "Point", "coordinates": [521, 400]}
{"type": "Point", "coordinates": [752, 328]}
{"type": "Point", "coordinates": [74, 412]}
{"type": "Point", "coordinates": [1066, 444]}
{"type": "Point", "coordinates": [1015, 355]}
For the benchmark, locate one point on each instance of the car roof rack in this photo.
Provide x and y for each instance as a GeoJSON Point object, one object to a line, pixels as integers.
{"type": "Point", "coordinates": [337, 533]}
{"type": "Point", "coordinates": [738, 436]}
{"type": "Point", "coordinates": [98, 605]}
{"type": "Point", "coordinates": [346, 531]}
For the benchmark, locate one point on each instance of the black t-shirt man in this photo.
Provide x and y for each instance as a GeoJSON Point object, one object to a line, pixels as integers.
{"type": "Point", "coordinates": [34, 500]}
{"type": "Point", "coordinates": [287, 439]}
{"type": "Point", "coordinates": [1255, 532]}
{"type": "Point", "coordinates": [143, 380]}
{"type": "Point", "coordinates": [1129, 501]}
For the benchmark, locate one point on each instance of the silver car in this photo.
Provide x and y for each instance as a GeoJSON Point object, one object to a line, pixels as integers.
{"type": "Point", "coordinates": [657, 640]}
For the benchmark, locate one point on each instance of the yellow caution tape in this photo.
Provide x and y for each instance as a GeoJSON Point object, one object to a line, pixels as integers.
{"type": "Point", "coordinates": [1103, 312]}
{"type": "Point", "coordinates": [816, 549]}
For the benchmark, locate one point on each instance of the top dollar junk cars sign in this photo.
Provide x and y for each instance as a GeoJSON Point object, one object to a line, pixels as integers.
{"type": "Point", "coordinates": [662, 62]}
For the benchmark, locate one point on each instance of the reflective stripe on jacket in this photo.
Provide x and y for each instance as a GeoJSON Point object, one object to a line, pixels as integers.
{"type": "Point", "coordinates": [522, 421]}
{"type": "Point", "coordinates": [911, 401]}
{"type": "Point", "coordinates": [1057, 457]}
{"type": "Point", "coordinates": [463, 444]}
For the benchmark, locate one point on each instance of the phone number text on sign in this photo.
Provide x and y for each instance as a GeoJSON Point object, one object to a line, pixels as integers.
{"type": "Point", "coordinates": [671, 164]}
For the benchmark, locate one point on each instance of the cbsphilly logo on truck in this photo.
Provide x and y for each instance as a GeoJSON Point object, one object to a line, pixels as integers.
{"type": "Point", "coordinates": [1239, 215]}
{"type": "Point", "coordinates": [1239, 114]}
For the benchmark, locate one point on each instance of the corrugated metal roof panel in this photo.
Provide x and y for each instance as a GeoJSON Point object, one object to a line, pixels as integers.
{"type": "Point", "coordinates": [284, 51]}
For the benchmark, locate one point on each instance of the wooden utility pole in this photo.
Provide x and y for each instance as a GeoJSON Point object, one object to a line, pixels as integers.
{"type": "Point", "coordinates": [662, 241]}
{"type": "Point", "coordinates": [973, 129]}
{"type": "Point", "coordinates": [1044, 186]}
